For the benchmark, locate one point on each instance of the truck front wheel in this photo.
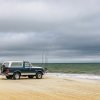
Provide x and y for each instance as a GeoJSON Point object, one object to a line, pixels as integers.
{"type": "Point", "coordinates": [39, 75]}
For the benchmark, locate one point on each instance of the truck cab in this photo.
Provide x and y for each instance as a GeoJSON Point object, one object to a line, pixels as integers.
{"type": "Point", "coordinates": [16, 69]}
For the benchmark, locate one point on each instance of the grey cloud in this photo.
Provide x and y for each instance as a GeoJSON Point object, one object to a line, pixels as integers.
{"type": "Point", "coordinates": [46, 15]}
{"type": "Point", "coordinates": [67, 29]}
{"type": "Point", "coordinates": [58, 45]}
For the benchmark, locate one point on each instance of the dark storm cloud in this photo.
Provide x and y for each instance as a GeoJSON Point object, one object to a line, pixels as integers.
{"type": "Point", "coordinates": [67, 29]}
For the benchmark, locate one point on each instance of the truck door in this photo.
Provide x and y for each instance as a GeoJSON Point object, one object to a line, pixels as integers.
{"type": "Point", "coordinates": [28, 68]}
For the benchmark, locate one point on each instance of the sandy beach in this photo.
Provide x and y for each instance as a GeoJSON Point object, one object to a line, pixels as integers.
{"type": "Point", "coordinates": [51, 87]}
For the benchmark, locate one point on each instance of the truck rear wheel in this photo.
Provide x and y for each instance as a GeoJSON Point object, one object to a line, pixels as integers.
{"type": "Point", "coordinates": [16, 76]}
{"type": "Point", "coordinates": [9, 77]}
{"type": "Point", "coordinates": [39, 75]}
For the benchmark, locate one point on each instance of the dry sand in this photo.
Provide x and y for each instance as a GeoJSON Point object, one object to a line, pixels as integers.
{"type": "Point", "coordinates": [49, 88]}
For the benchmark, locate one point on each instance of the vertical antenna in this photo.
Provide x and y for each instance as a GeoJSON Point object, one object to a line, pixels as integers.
{"type": "Point", "coordinates": [44, 58]}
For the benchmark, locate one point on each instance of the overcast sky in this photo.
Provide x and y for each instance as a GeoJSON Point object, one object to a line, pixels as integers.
{"type": "Point", "coordinates": [65, 30]}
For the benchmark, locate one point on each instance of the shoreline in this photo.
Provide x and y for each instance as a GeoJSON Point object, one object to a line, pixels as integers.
{"type": "Point", "coordinates": [78, 76]}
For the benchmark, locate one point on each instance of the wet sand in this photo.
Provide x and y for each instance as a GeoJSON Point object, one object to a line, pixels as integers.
{"type": "Point", "coordinates": [49, 88]}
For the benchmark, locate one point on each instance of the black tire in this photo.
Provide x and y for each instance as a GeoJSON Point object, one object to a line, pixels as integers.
{"type": "Point", "coordinates": [16, 76]}
{"type": "Point", "coordinates": [9, 77]}
{"type": "Point", "coordinates": [30, 76]}
{"type": "Point", "coordinates": [39, 75]}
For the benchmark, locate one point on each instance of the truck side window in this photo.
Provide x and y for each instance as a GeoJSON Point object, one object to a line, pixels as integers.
{"type": "Point", "coordinates": [6, 64]}
{"type": "Point", "coordinates": [27, 64]}
{"type": "Point", "coordinates": [16, 64]}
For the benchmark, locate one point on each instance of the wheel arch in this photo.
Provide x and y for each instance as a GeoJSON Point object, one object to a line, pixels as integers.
{"type": "Point", "coordinates": [17, 71]}
{"type": "Point", "coordinates": [39, 71]}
